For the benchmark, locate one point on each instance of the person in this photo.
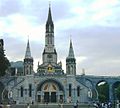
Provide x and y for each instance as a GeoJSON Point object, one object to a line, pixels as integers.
{"type": "Point", "coordinates": [95, 105]}
{"type": "Point", "coordinates": [0, 106]}
{"type": "Point", "coordinates": [75, 105]}
{"type": "Point", "coordinates": [61, 105]}
{"type": "Point", "coordinates": [28, 106]}
{"type": "Point", "coordinates": [109, 105]}
{"type": "Point", "coordinates": [8, 106]}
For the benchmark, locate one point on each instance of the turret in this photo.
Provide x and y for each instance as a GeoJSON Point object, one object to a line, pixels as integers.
{"type": "Point", "coordinates": [71, 61]}
{"type": "Point", "coordinates": [28, 61]}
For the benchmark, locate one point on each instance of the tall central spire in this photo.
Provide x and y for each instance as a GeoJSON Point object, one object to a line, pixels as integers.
{"type": "Point", "coordinates": [49, 23]}
{"type": "Point", "coordinates": [49, 20]}
{"type": "Point", "coordinates": [49, 53]}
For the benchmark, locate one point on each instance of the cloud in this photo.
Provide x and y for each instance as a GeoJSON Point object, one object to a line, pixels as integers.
{"type": "Point", "coordinates": [8, 7]}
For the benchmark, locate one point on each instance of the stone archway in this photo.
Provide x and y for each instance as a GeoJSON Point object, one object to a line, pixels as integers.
{"type": "Point", "coordinates": [5, 98]}
{"type": "Point", "coordinates": [103, 90]}
{"type": "Point", "coordinates": [92, 87]}
{"type": "Point", "coordinates": [116, 91]}
{"type": "Point", "coordinates": [50, 91]}
{"type": "Point", "coordinates": [1, 91]}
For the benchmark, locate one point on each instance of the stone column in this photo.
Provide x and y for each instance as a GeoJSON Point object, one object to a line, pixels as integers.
{"type": "Point", "coordinates": [49, 96]}
{"type": "Point", "coordinates": [58, 96]}
{"type": "Point", "coordinates": [94, 88]}
{"type": "Point", "coordinates": [42, 97]}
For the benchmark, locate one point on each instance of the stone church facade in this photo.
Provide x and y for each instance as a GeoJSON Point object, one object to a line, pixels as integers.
{"type": "Point", "coordinates": [50, 84]}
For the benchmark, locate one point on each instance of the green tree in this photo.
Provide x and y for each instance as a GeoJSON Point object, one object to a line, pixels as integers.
{"type": "Point", "coordinates": [4, 62]}
{"type": "Point", "coordinates": [118, 92]}
{"type": "Point", "coordinates": [103, 91]}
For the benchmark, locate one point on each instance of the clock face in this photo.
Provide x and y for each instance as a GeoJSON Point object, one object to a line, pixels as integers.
{"type": "Point", "coordinates": [49, 56]}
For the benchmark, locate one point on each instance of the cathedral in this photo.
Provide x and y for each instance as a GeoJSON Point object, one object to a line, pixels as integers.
{"type": "Point", "coordinates": [50, 84]}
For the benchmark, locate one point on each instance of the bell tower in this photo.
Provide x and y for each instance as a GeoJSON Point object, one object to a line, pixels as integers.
{"type": "Point", "coordinates": [49, 54]}
{"type": "Point", "coordinates": [71, 61]}
{"type": "Point", "coordinates": [28, 61]}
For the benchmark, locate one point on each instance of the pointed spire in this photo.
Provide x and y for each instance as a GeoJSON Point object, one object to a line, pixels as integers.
{"type": "Point", "coordinates": [71, 51]}
{"type": "Point", "coordinates": [28, 52]}
{"type": "Point", "coordinates": [49, 20]}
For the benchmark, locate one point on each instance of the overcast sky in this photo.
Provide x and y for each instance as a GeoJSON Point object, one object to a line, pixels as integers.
{"type": "Point", "coordinates": [94, 26]}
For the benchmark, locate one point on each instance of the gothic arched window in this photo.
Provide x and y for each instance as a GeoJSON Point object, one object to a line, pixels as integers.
{"type": "Point", "coordinates": [21, 89]}
{"type": "Point", "coordinates": [78, 91]}
{"type": "Point", "coordinates": [70, 89]}
{"type": "Point", "coordinates": [68, 69]}
{"type": "Point", "coordinates": [30, 90]}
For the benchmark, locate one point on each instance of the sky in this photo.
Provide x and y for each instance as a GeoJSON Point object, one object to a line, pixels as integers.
{"type": "Point", "coordinates": [93, 26]}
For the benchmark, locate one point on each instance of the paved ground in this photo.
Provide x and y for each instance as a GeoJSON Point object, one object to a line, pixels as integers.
{"type": "Point", "coordinates": [49, 106]}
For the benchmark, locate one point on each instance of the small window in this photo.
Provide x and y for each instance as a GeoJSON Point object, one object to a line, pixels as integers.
{"type": "Point", "coordinates": [21, 91]}
{"type": "Point", "coordinates": [70, 90]}
{"type": "Point", "coordinates": [78, 91]}
{"type": "Point", "coordinates": [25, 91]}
{"type": "Point", "coordinates": [30, 90]}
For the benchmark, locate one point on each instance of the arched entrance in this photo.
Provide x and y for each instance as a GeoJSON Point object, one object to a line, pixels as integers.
{"type": "Point", "coordinates": [50, 91]}
{"type": "Point", "coordinates": [103, 91]}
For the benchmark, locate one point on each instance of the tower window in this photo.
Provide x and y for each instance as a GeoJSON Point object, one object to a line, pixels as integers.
{"type": "Point", "coordinates": [25, 91]}
{"type": "Point", "coordinates": [70, 90]}
{"type": "Point", "coordinates": [68, 69]}
{"type": "Point", "coordinates": [30, 90]}
{"type": "Point", "coordinates": [30, 69]}
{"type": "Point", "coordinates": [78, 91]}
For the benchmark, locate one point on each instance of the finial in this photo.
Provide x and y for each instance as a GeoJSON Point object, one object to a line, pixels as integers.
{"type": "Point", "coordinates": [70, 37]}
{"type": "Point", "coordinates": [70, 41]}
{"type": "Point", "coordinates": [49, 4]}
{"type": "Point", "coordinates": [28, 37]}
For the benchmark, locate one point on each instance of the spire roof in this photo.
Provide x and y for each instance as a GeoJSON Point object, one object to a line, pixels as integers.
{"type": "Point", "coordinates": [71, 51]}
{"type": "Point", "coordinates": [28, 52]}
{"type": "Point", "coordinates": [49, 20]}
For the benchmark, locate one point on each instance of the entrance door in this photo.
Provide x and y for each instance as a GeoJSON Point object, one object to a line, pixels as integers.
{"type": "Point", "coordinates": [53, 96]}
{"type": "Point", "coordinates": [46, 96]}
{"type": "Point", "coordinates": [39, 98]}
